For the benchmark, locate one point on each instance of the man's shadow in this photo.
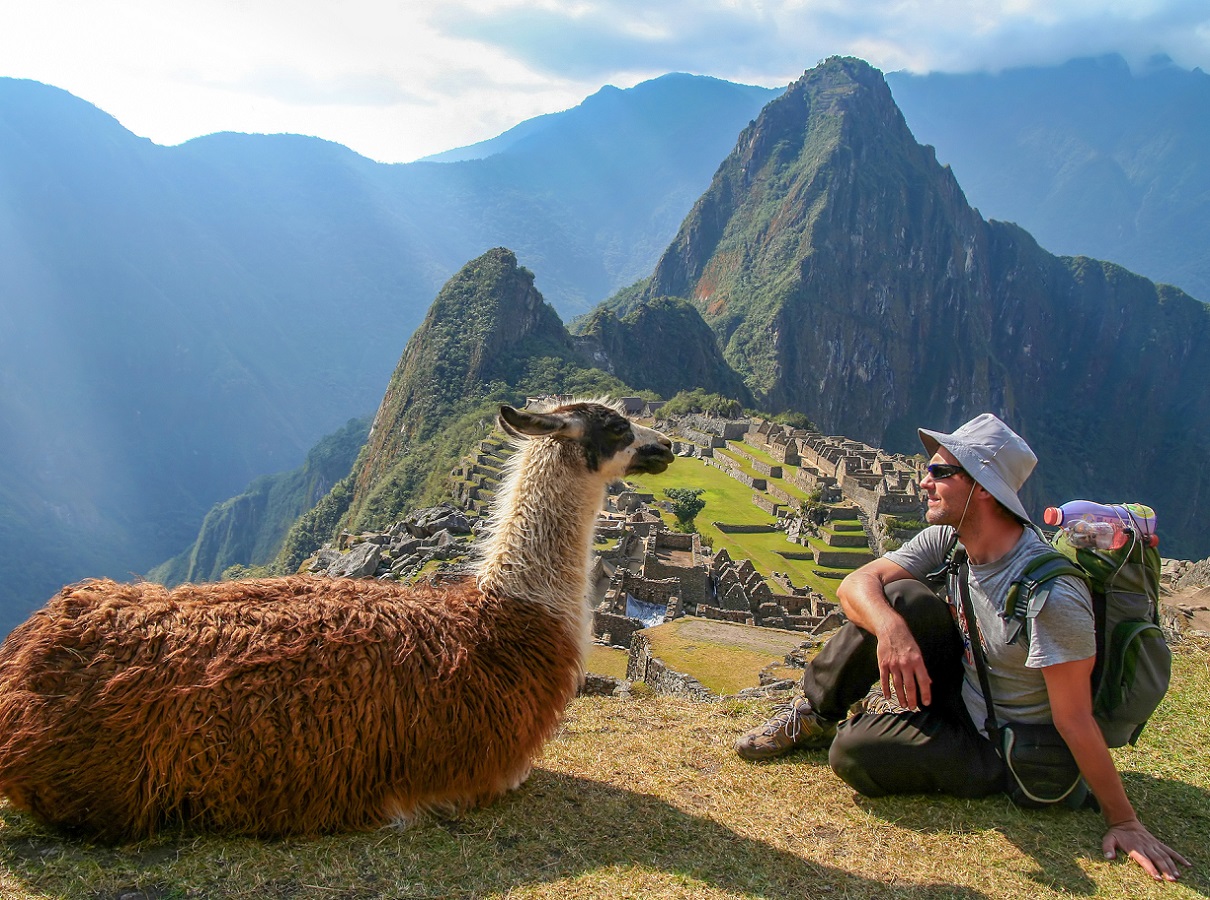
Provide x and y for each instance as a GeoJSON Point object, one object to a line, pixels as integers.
{"type": "Point", "coordinates": [1174, 811]}
{"type": "Point", "coordinates": [556, 826]}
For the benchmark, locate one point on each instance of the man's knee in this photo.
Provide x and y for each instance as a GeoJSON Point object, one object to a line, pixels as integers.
{"type": "Point", "coordinates": [854, 756]}
{"type": "Point", "coordinates": [919, 606]}
{"type": "Point", "coordinates": [913, 753]}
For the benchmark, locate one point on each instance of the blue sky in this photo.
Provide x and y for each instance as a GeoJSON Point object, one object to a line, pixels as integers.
{"type": "Point", "coordinates": [398, 79]}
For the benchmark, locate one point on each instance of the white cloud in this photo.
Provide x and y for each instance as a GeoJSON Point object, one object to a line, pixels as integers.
{"type": "Point", "coordinates": [397, 80]}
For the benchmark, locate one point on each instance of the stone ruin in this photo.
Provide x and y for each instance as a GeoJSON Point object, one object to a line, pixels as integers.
{"type": "Point", "coordinates": [740, 594]}
{"type": "Point", "coordinates": [884, 487]}
{"type": "Point", "coordinates": [650, 575]}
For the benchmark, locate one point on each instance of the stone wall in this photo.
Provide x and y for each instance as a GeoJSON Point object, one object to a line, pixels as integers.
{"type": "Point", "coordinates": [645, 667]}
{"type": "Point", "coordinates": [759, 465]}
{"type": "Point", "coordinates": [738, 616]}
{"type": "Point", "coordinates": [784, 496]}
{"type": "Point", "coordinates": [621, 629]}
{"type": "Point", "coordinates": [769, 505]}
{"type": "Point", "coordinates": [727, 528]}
{"type": "Point", "coordinates": [757, 484]}
{"type": "Point", "coordinates": [838, 560]}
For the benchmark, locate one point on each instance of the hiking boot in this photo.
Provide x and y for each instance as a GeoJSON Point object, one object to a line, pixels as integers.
{"type": "Point", "coordinates": [794, 725]}
{"type": "Point", "coordinates": [875, 704]}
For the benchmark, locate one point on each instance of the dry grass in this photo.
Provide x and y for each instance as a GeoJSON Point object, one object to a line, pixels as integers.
{"type": "Point", "coordinates": [645, 798]}
{"type": "Point", "coordinates": [607, 661]}
{"type": "Point", "coordinates": [725, 658]}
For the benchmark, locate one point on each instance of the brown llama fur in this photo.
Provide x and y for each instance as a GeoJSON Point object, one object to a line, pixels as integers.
{"type": "Point", "coordinates": [306, 705]}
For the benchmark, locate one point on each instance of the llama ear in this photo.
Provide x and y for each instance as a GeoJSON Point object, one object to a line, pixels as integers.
{"type": "Point", "coordinates": [519, 423]}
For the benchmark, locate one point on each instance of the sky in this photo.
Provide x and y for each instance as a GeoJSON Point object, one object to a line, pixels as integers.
{"type": "Point", "coordinates": [396, 80]}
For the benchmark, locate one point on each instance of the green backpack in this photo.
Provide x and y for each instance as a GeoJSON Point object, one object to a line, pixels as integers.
{"type": "Point", "coordinates": [1133, 662]}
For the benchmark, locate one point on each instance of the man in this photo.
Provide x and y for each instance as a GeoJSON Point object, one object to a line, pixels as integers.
{"type": "Point", "coordinates": [903, 634]}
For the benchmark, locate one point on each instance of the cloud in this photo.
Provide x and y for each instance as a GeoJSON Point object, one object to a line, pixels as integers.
{"type": "Point", "coordinates": [593, 41]}
{"type": "Point", "coordinates": [297, 87]}
{"type": "Point", "coordinates": [775, 41]}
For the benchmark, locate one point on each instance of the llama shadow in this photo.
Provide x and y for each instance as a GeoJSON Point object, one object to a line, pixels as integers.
{"type": "Point", "coordinates": [556, 827]}
{"type": "Point", "coordinates": [1176, 816]}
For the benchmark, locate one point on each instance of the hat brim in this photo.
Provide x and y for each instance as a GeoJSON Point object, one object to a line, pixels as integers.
{"type": "Point", "coordinates": [973, 463]}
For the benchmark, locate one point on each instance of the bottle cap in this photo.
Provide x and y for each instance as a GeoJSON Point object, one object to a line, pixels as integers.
{"type": "Point", "coordinates": [1053, 516]}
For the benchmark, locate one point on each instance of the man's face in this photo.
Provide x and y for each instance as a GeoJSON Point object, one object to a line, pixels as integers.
{"type": "Point", "coordinates": [947, 497]}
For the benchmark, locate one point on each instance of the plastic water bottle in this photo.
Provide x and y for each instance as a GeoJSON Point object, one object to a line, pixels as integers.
{"type": "Point", "coordinates": [1103, 526]}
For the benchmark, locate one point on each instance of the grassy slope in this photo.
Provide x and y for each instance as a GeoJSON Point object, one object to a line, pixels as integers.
{"type": "Point", "coordinates": [645, 798]}
{"type": "Point", "coordinates": [730, 502]}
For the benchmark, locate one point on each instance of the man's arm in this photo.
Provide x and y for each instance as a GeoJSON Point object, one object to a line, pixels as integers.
{"type": "Point", "coordinates": [862, 595]}
{"type": "Point", "coordinates": [1071, 707]}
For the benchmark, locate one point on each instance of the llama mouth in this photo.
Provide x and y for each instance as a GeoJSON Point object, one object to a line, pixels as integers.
{"type": "Point", "coordinates": [651, 463]}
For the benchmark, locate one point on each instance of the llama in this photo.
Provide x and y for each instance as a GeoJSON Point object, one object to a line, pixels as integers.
{"type": "Point", "coordinates": [307, 705]}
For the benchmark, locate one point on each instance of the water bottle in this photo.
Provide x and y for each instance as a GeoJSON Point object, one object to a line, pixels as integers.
{"type": "Point", "coordinates": [1103, 526]}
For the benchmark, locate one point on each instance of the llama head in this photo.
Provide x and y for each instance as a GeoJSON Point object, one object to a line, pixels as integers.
{"type": "Point", "coordinates": [611, 444]}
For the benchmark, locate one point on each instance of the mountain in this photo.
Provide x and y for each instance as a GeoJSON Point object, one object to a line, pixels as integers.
{"type": "Point", "coordinates": [249, 529]}
{"type": "Point", "coordinates": [1090, 157]}
{"type": "Point", "coordinates": [847, 277]}
{"type": "Point", "coordinates": [182, 320]}
{"type": "Point", "coordinates": [662, 346]}
{"type": "Point", "coordinates": [490, 338]}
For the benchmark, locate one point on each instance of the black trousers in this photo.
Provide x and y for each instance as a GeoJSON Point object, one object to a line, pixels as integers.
{"type": "Point", "coordinates": [937, 749]}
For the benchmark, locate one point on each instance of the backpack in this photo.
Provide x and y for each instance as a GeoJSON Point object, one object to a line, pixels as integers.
{"type": "Point", "coordinates": [1133, 662]}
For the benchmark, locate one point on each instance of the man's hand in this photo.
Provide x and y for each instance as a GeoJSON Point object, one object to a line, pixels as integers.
{"type": "Point", "coordinates": [901, 664]}
{"type": "Point", "coordinates": [1157, 859]}
{"type": "Point", "coordinates": [862, 594]}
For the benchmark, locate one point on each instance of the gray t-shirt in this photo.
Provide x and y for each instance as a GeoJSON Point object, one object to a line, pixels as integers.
{"type": "Point", "coordinates": [1062, 632]}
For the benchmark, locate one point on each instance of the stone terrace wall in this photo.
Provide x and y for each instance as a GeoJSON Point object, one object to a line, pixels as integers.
{"type": "Point", "coordinates": [645, 667]}
{"type": "Point", "coordinates": [759, 464]}
{"type": "Point", "coordinates": [769, 505]}
{"type": "Point", "coordinates": [757, 484]}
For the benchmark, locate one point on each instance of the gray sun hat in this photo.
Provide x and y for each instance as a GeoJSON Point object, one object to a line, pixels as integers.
{"type": "Point", "coordinates": [992, 454]}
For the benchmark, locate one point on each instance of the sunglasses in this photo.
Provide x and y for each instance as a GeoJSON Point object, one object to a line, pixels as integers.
{"type": "Point", "coordinates": [941, 470]}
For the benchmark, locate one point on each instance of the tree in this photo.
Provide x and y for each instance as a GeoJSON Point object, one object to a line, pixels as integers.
{"type": "Point", "coordinates": [686, 504]}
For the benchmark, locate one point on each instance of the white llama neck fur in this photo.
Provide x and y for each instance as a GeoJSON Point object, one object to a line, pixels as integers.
{"type": "Point", "coordinates": [540, 531]}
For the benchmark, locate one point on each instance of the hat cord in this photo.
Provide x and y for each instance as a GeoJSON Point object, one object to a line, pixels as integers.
{"type": "Point", "coordinates": [962, 518]}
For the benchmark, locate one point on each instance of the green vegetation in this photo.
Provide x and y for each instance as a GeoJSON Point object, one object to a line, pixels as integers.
{"type": "Point", "coordinates": [607, 661]}
{"type": "Point", "coordinates": [730, 502]}
{"type": "Point", "coordinates": [315, 526]}
{"type": "Point", "coordinates": [725, 658]}
{"type": "Point", "coordinates": [686, 504]}
{"type": "Point", "coordinates": [253, 528]}
{"type": "Point", "coordinates": [699, 401]}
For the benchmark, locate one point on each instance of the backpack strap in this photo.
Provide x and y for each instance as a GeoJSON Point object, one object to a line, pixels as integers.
{"type": "Point", "coordinates": [990, 725]}
{"type": "Point", "coordinates": [1028, 594]}
{"type": "Point", "coordinates": [955, 553]}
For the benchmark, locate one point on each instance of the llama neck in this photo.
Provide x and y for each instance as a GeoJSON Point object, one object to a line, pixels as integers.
{"type": "Point", "coordinates": [541, 530]}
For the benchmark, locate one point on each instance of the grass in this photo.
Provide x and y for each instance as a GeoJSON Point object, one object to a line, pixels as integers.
{"type": "Point", "coordinates": [730, 502]}
{"type": "Point", "coordinates": [724, 658]}
{"type": "Point", "coordinates": [607, 661]}
{"type": "Point", "coordinates": [645, 798]}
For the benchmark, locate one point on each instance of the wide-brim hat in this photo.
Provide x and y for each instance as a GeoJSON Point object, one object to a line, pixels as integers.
{"type": "Point", "coordinates": [992, 454]}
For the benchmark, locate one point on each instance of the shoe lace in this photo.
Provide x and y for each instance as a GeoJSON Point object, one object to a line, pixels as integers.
{"type": "Point", "coordinates": [785, 718]}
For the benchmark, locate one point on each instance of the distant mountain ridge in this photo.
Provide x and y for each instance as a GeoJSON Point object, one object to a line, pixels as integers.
{"type": "Point", "coordinates": [632, 114]}
{"type": "Point", "coordinates": [491, 338]}
{"type": "Point", "coordinates": [1090, 157]}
